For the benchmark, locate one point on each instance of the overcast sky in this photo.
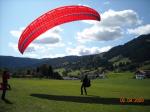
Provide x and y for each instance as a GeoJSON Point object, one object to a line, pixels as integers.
{"type": "Point", "coordinates": [121, 21]}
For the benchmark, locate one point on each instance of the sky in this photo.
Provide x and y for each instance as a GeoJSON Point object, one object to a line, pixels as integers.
{"type": "Point", "coordinates": [121, 21]}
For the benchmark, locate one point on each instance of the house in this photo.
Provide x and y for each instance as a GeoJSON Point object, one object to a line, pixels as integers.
{"type": "Point", "coordinates": [142, 74]}
{"type": "Point", "coordinates": [70, 78]}
{"type": "Point", "coordinates": [101, 76]}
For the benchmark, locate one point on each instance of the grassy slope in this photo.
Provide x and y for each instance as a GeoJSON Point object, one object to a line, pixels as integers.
{"type": "Point", "coordinates": [113, 87]}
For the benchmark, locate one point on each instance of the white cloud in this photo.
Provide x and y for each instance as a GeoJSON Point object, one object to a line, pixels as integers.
{"type": "Point", "coordinates": [70, 43]}
{"type": "Point", "coordinates": [45, 55]}
{"type": "Point", "coordinates": [119, 18]}
{"type": "Point", "coordinates": [30, 49]}
{"type": "Point", "coordinates": [145, 29]}
{"type": "Point", "coordinates": [92, 22]}
{"type": "Point", "coordinates": [56, 45]}
{"type": "Point", "coordinates": [47, 40]}
{"type": "Point", "coordinates": [83, 5]}
{"type": "Point", "coordinates": [52, 36]}
{"type": "Point", "coordinates": [31, 55]}
{"type": "Point", "coordinates": [105, 49]}
{"type": "Point", "coordinates": [17, 33]}
{"type": "Point", "coordinates": [44, 49]}
{"type": "Point", "coordinates": [39, 51]}
{"type": "Point", "coordinates": [110, 27]}
{"type": "Point", "coordinates": [99, 33]}
{"type": "Point", "coordinates": [14, 46]}
{"type": "Point", "coordinates": [33, 51]}
{"type": "Point", "coordinates": [56, 55]}
{"type": "Point", "coordinates": [82, 50]}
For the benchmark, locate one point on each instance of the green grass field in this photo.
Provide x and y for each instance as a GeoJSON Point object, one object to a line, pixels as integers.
{"type": "Point", "coordinates": [43, 95]}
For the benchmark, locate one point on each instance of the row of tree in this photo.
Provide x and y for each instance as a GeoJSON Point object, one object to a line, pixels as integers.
{"type": "Point", "coordinates": [43, 71]}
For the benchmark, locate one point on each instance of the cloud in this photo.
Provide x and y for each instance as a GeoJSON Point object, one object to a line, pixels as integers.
{"type": "Point", "coordinates": [45, 55]}
{"type": "Point", "coordinates": [56, 55]}
{"type": "Point", "coordinates": [31, 55]}
{"type": "Point", "coordinates": [56, 45]}
{"type": "Point", "coordinates": [47, 40]}
{"type": "Point", "coordinates": [39, 51]}
{"type": "Point", "coordinates": [17, 33]}
{"type": "Point", "coordinates": [30, 49]}
{"type": "Point", "coordinates": [14, 46]}
{"type": "Point", "coordinates": [51, 36]}
{"type": "Point", "coordinates": [113, 18]}
{"type": "Point", "coordinates": [145, 29]}
{"type": "Point", "coordinates": [92, 22]}
{"type": "Point", "coordinates": [82, 50]}
{"type": "Point", "coordinates": [70, 43]}
{"type": "Point", "coordinates": [83, 5]}
{"type": "Point", "coordinates": [99, 33]}
{"type": "Point", "coordinates": [42, 51]}
{"type": "Point", "coordinates": [105, 49]}
{"type": "Point", "coordinates": [110, 27]}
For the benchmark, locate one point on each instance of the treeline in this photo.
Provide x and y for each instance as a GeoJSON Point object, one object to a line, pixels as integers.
{"type": "Point", "coordinates": [88, 62]}
{"type": "Point", "coordinates": [43, 71]}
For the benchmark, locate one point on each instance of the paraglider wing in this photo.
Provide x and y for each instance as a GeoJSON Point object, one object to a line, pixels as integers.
{"type": "Point", "coordinates": [53, 18]}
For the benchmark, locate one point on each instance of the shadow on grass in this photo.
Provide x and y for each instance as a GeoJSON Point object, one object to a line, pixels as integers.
{"type": "Point", "coordinates": [7, 101]}
{"type": "Point", "coordinates": [89, 99]}
{"type": "Point", "coordinates": [5, 105]}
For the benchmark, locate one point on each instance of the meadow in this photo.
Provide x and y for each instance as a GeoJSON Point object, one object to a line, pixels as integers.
{"type": "Point", "coordinates": [44, 95]}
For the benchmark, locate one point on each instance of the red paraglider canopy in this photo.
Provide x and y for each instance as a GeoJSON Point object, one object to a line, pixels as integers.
{"type": "Point", "coordinates": [53, 18]}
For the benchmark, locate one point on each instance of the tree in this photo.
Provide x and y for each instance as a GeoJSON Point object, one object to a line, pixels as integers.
{"type": "Point", "coordinates": [57, 76]}
{"type": "Point", "coordinates": [28, 72]}
{"type": "Point", "coordinates": [64, 73]}
{"type": "Point", "coordinates": [44, 70]}
{"type": "Point", "coordinates": [50, 72]}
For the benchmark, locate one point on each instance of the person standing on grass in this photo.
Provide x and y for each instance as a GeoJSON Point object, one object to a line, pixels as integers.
{"type": "Point", "coordinates": [5, 84]}
{"type": "Point", "coordinates": [85, 83]}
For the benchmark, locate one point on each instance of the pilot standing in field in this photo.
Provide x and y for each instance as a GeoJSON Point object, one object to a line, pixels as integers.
{"type": "Point", "coordinates": [85, 83]}
{"type": "Point", "coordinates": [5, 84]}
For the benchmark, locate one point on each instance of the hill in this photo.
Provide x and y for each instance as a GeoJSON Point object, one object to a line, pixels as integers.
{"type": "Point", "coordinates": [17, 62]}
{"type": "Point", "coordinates": [136, 50]}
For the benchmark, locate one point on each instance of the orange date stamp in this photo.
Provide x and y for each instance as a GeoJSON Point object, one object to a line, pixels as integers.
{"type": "Point", "coordinates": [131, 100]}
